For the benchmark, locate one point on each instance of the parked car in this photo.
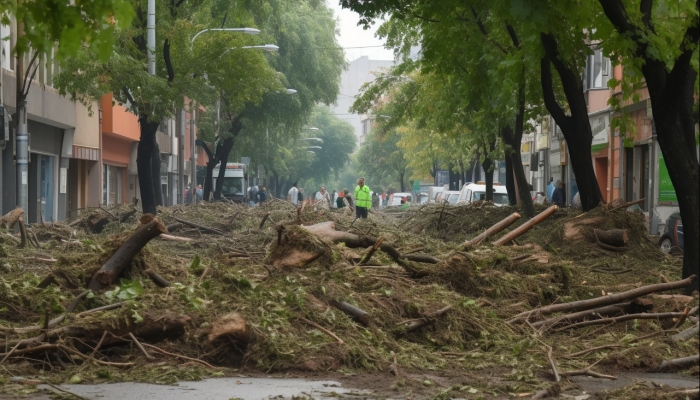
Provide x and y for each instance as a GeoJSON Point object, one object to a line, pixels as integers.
{"type": "Point", "coordinates": [477, 191]}
{"type": "Point", "coordinates": [538, 197]}
{"type": "Point", "coordinates": [673, 235]}
{"type": "Point", "coordinates": [423, 197]}
{"type": "Point", "coordinates": [434, 192]}
{"type": "Point", "coordinates": [395, 199]}
{"type": "Point", "coordinates": [450, 196]}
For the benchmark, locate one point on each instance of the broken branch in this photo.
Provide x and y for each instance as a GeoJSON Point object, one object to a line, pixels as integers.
{"type": "Point", "coordinates": [526, 226]}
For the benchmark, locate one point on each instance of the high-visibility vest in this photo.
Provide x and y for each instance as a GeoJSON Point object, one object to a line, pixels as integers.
{"type": "Point", "coordinates": [362, 197]}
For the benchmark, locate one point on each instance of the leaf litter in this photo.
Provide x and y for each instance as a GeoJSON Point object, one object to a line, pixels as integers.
{"type": "Point", "coordinates": [244, 310]}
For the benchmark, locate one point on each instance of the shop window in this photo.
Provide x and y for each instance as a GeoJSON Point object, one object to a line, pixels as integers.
{"type": "Point", "coordinates": [111, 184]}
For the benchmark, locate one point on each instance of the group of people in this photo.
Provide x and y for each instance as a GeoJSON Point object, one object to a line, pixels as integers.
{"type": "Point", "coordinates": [556, 194]}
{"type": "Point", "coordinates": [360, 201]}
{"type": "Point", "coordinates": [194, 195]}
{"type": "Point", "coordinates": [257, 195]}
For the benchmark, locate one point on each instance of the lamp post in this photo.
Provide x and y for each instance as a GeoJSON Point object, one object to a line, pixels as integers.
{"type": "Point", "coordinates": [248, 31]}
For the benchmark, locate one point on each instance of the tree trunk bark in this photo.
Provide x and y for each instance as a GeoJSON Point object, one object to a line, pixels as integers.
{"type": "Point", "coordinates": [223, 158]}
{"type": "Point", "coordinates": [144, 166]}
{"type": "Point", "coordinates": [155, 168]}
{"type": "Point", "coordinates": [401, 175]}
{"type": "Point", "coordinates": [576, 128]}
{"type": "Point", "coordinates": [510, 184]}
{"type": "Point", "coordinates": [513, 140]}
{"type": "Point", "coordinates": [486, 165]}
{"type": "Point", "coordinates": [125, 253]}
{"type": "Point", "coordinates": [526, 226]}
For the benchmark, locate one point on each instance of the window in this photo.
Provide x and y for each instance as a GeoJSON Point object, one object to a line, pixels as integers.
{"type": "Point", "coordinates": [111, 185]}
{"type": "Point", "coordinates": [597, 70]}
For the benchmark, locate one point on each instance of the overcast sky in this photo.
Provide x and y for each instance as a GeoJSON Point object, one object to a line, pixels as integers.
{"type": "Point", "coordinates": [352, 35]}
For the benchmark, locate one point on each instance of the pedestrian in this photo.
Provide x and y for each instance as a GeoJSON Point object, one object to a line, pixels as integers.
{"type": "Point", "coordinates": [188, 196]}
{"type": "Point", "coordinates": [323, 199]}
{"type": "Point", "coordinates": [340, 200]}
{"type": "Point", "coordinates": [558, 195]}
{"type": "Point", "coordinates": [550, 189]}
{"type": "Point", "coordinates": [375, 200]}
{"type": "Point", "coordinates": [300, 198]}
{"type": "Point", "coordinates": [293, 195]}
{"type": "Point", "coordinates": [363, 200]}
{"type": "Point", "coordinates": [200, 193]}
{"type": "Point", "coordinates": [334, 198]}
{"type": "Point", "coordinates": [252, 195]}
{"type": "Point", "coordinates": [262, 194]}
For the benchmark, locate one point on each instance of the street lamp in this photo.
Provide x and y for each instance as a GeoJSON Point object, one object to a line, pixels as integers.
{"type": "Point", "coordinates": [311, 129]}
{"type": "Point", "coordinates": [313, 147]}
{"type": "Point", "coordinates": [271, 48]}
{"type": "Point", "coordinates": [312, 138]}
{"type": "Point", "coordinates": [290, 91]}
{"type": "Point", "coordinates": [249, 31]}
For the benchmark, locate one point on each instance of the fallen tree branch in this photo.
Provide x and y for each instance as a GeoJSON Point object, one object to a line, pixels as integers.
{"type": "Point", "coordinates": [138, 344]}
{"type": "Point", "coordinates": [613, 237]}
{"type": "Point", "coordinates": [623, 318]}
{"type": "Point", "coordinates": [682, 319]}
{"type": "Point", "coordinates": [625, 205]}
{"type": "Point", "coordinates": [503, 224]}
{"type": "Point", "coordinates": [371, 251]}
{"type": "Point", "coordinates": [11, 218]}
{"type": "Point", "coordinates": [358, 314]}
{"type": "Point", "coordinates": [592, 349]}
{"type": "Point", "coordinates": [23, 233]}
{"type": "Point", "coordinates": [611, 248]}
{"type": "Point", "coordinates": [687, 334]}
{"type": "Point", "coordinates": [175, 238]}
{"type": "Point", "coordinates": [604, 300]}
{"type": "Point", "coordinates": [265, 219]}
{"type": "Point", "coordinates": [589, 373]}
{"type": "Point", "coordinates": [428, 319]}
{"type": "Point", "coordinates": [581, 315]}
{"type": "Point", "coordinates": [103, 308]}
{"type": "Point", "coordinates": [121, 258]}
{"type": "Point", "coordinates": [526, 226]}
{"type": "Point", "coordinates": [157, 279]}
{"type": "Point", "coordinates": [322, 329]}
{"type": "Point", "coordinates": [551, 363]}
{"type": "Point", "coordinates": [204, 228]}
{"type": "Point", "coordinates": [681, 363]}
{"type": "Point", "coordinates": [159, 350]}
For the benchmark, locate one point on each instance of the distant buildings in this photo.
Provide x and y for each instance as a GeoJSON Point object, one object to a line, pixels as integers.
{"type": "Point", "coordinates": [359, 72]}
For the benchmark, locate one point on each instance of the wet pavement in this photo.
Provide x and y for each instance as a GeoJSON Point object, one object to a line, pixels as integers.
{"type": "Point", "coordinates": [595, 385]}
{"type": "Point", "coordinates": [213, 389]}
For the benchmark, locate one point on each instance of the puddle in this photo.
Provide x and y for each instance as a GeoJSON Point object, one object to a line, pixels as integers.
{"type": "Point", "coordinates": [214, 389]}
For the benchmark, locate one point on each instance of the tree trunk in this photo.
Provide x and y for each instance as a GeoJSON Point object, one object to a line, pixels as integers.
{"type": "Point", "coordinates": [155, 171]}
{"type": "Point", "coordinates": [513, 140]}
{"type": "Point", "coordinates": [223, 158]}
{"type": "Point", "coordinates": [486, 165]}
{"type": "Point", "coordinates": [401, 175]}
{"type": "Point", "coordinates": [144, 166]}
{"type": "Point", "coordinates": [576, 128]}
{"type": "Point", "coordinates": [510, 184]}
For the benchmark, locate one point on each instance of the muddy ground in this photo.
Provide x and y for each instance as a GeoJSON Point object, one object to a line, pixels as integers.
{"type": "Point", "coordinates": [246, 298]}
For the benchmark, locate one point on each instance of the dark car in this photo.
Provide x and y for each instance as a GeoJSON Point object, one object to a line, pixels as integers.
{"type": "Point", "coordinates": [673, 235]}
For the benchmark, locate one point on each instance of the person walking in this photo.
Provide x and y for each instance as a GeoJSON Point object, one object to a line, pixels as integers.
{"type": "Point", "coordinates": [363, 199]}
{"type": "Point", "coordinates": [293, 195]}
{"type": "Point", "coordinates": [262, 194]}
{"type": "Point", "coordinates": [301, 196]}
{"type": "Point", "coordinates": [550, 189]}
{"type": "Point", "coordinates": [323, 199]}
{"type": "Point", "coordinates": [334, 198]}
{"type": "Point", "coordinates": [558, 195]}
{"type": "Point", "coordinates": [200, 193]}
{"type": "Point", "coordinates": [340, 200]}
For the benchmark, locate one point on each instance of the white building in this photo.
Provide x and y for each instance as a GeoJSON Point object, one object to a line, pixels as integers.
{"type": "Point", "coordinates": [359, 72]}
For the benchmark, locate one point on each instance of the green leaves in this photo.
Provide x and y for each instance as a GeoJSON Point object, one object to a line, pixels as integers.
{"type": "Point", "coordinates": [126, 290]}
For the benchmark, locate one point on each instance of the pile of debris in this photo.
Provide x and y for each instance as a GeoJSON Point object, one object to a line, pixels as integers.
{"type": "Point", "coordinates": [275, 288]}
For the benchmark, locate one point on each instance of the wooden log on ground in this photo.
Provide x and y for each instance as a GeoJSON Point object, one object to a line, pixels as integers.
{"type": "Point", "coordinates": [153, 327]}
{"type": "Point", "coordinates": [604, 300]}
{"type": "Point", "coordinates": [175, 238]}
{"type": "Point", "coordinates": [371, 251]}
{"type": "Point", "coordinates": [22, 232]}
{"type": "Point", "coordinates": [622, 318]}
{"type": "Point", "coordinates": [231, 325]}
{"type": "Point", "coordinates": [526, 226]}
{"type": "Point", "coordinates": [680, 363]}
{"type": "Point", "coordinates": [687, 334]}
{"type": "Point", "coordinates": [121, 259]}
{"type": "Point", "coordinates": [358, 314]}
{"type": "Point", "coordinates": [611, 248]}
{"type": "Point", "coordinates": [428, 319]}
{"type": "Point", "coordinates": [204, 228]}
{"type": "Point", "coordinates": [326, 230]}
{"type": "Point", "coordinates": [613, 237]}
{"type": "Point", "coordinates": [97, 223]}
{"type": "Point", "coordinates": [157, 279]}
{"type": "Point", "coordinates": [173, 227]}
{"type": "Point", "coordinates": [503, 224]}
{"type": "Point", "coordinates": [11, 218]}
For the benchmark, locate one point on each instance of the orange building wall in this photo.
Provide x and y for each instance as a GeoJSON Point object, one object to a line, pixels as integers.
{"type": "Point", "coordinates": [117, 120]}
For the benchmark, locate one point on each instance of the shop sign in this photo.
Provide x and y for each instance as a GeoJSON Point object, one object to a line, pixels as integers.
{"type": "Point", "coordinates": [667, 193]}
{"type": "Point", "coordinates": [599, 128]}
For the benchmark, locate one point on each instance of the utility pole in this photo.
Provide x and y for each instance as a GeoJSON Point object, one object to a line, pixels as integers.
{"type": "Point", "coordinates": [193, 151]}
{"type": "Point", "coordinates": [22, 135]}
{"type": "Point", "coordinates": [151, 40]}
{"type": "Point", "coordinates": [181, 157]}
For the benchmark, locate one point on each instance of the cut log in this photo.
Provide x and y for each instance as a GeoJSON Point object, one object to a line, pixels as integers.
{"type": "Point", "coordinates": [611, 248]}
{"type": "Point", "coordinates": [157, 279]}
{"type": "Point", "coordinates": [203, 228]}
{"type": "Point", "coordinates": [97, 223]}
{"type": "Point", "coordinates": [175, 238]}
{"type": "Point", "coordinates": [126, 216]}
{"type": "Point", "coordinates": [173, 227]}
{"type": "Point", "coordinates": [687, 334]}
{"type": "Point", "coordinates": [121, 259]}
{"type": "Point", "coordinates": [22, 232]}
{"type": "Point", "coordinates": [46, 282]}
{"type": "Point", "coordinates": [613, 237]}
{"type": "Point", "coordinates": [604, 300]}
{"type": "Point", "coordinates": [428, 319]}
{"type": "Point", "coordinates": [359, 315]}
{"type": "Point", "coordinates": [680, 363]}
{"type": "Point", "coordinates": [503, 224]}
{"type": "Point", "coordinates": [11, 218]}
{"type": "Point", "coordinates": [526, 226]}
{"type": "Point", "coordinates": [232, 325]}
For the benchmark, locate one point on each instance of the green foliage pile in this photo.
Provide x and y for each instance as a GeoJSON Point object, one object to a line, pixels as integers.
{"type": "Point", "coordinates": [215, 275]}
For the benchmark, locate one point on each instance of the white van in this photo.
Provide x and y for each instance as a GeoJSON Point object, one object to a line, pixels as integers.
{"type": "Point", "coordinates": [477, 191]}
{"type": "Point", "coordinates": [395, 199]}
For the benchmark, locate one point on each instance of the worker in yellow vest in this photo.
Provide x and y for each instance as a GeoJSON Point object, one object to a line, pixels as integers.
{"type": "Point", "coordinates": [363, 199]}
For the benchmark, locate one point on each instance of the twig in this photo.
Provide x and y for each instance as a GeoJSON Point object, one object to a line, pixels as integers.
{"type": "Point", "coordinates": [588, 372]}
{"type": "Point", "coordinates": [371, 251]}
{"type": "Point", "coordinates": [322, 329]}
{"type": "Point", "coordinates": [103, 308]}
{"type": "Point", "coordinates": [99, 344]}
{"type": "Point", "coordinates": [79, 354]}
{"type": "Point", "coordinates": [652, 335]}
{"type": "Point", "coordinates": [554, 367]}
{"type": "Point", "coordinates": [625, 205]}
{"type": "Point", "coordinates": [614, 272]}
{"type": "Point", "coordinates": [681, 320]}
{"type": "Point", "coordinates": [174, 238]}
{"type": "Point", "coordinates": [584, 352]}
{"type": "Point", "coordinates": [265, 219]}
{"type": "Point", "coordinates": [622, 318]}
{"type": "Point", "coordinates": [65, 391]}
{"type": "Point", "coordinates": [138, 344]}
{"type": "Point", "coordinates": [159, 350]}
{"type": "Point", "coordinates": [112, 215]}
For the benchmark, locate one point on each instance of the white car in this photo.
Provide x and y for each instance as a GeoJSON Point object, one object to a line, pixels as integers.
{"type": "Point", "coordinates": [395, 199]}
{"type": "Point", "coordinates": [477, 191]}
{"type": "Point", "coordinates": [450, 196]}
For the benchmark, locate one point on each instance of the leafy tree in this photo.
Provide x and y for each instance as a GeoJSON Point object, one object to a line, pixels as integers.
{"type": "Point", "coordinates": [381, 161]}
